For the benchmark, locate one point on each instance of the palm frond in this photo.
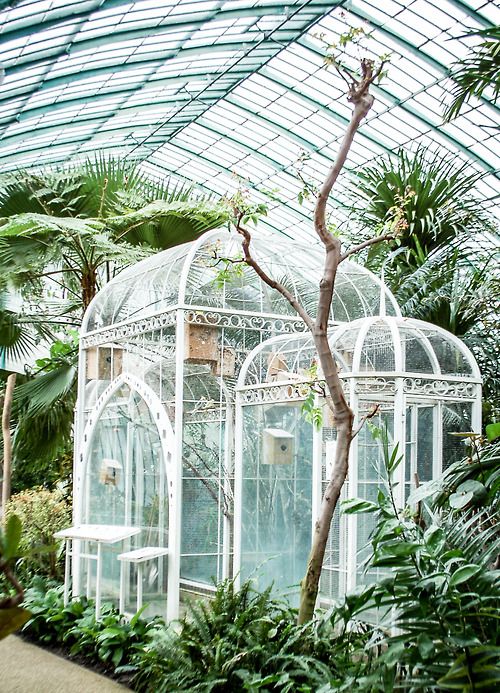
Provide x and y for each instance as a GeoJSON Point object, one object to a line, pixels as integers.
{"type": "Point", "coordinates": [478, 73]}
{"type": "Point", "coordinates": [163, 224]}
{"type": "Point", "coordinates": [43, 391]}
{"type": "Point", "coordinates": [434, 196]}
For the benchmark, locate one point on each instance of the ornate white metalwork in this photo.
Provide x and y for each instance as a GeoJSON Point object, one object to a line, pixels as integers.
{"type": "Point", "coordinates": [112, 334]}
{"type": "Point", "coordinates": [441, 388]}
{"type": "Point", "coordinates": [242, 321]}
{"type": "Point", "coordinates": [375, 384]}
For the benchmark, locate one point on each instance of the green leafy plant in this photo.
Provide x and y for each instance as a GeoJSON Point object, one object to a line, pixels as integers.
{"type": "Point", "coordinates": [441, 589]}
{"type": "Point", "coordinates": [239, 640]}
{"type": "Point", "coordinates": [478, 73]}
{"type": "Point", "coordinates": [12, 615]}
{"type": "Point", "coordinates": [42, 512]}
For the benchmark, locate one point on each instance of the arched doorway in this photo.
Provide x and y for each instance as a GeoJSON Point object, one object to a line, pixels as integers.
{"type": "Point", "coordinates": [125, 480]}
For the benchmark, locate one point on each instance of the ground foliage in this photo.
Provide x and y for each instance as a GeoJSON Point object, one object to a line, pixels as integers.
{"type": "Point", "coordinates": [436, 605]}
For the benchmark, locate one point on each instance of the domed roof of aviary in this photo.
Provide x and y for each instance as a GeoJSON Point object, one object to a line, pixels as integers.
{"type": "Point", "coordinates": [203, 275]}
{"type": "Point", "coordinates": [380, 345]}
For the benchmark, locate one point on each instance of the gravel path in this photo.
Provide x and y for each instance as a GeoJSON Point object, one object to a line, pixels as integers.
{"type": "Point", "coordinates": [26, 668]}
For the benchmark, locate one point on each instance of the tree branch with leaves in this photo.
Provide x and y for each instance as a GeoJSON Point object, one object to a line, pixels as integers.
{"type": "Point", "coordinates": [362, 100]}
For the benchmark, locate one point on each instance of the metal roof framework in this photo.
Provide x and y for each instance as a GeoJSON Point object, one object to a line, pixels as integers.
{"type": "Point", "coordinates": [219, 91]}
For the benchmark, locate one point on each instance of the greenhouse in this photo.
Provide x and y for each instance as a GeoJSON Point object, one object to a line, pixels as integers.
{"type": "Point", "coordinates": [250, 344]}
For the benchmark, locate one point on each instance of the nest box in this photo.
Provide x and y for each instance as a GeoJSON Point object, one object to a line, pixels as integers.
{"type": "Point", "coordinates": [226, 362]}
{"type": "Point", "coordinates": [109, 474]}
{"type": "Point", "coordinates": [104, 362]}
{"type": "Point", "coordinates": [277, 446]}
{"type": "Point", "coordinates": [201, 343]}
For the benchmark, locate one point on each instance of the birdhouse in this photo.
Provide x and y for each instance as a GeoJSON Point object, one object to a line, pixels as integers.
{"type": "Point", "coordinates": [276, 365]}
{"type": "Point", "coordinates": [201, 343]}
{"type": "Point", "coordinates": [277, 446]}
{"type": "Point", "coordinates": [109, 474]}
{"type": "Point", "coordinates": [226, 362]}
{"type": "Point", "coordinates": [104, 362]}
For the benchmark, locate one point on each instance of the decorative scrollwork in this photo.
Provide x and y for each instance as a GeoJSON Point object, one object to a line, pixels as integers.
{"type": "Point", "coordinates": [282, 325]}
{"type": "Point", "coordinates": [376, 384]}
{"type": "Point", "coordinates": [441, 388]}
{"type": "Point", "coordinates": [113, 334]}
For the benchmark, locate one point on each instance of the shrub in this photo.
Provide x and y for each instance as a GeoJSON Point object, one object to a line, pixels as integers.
{"type": "Point", "coordinates": [241, 641]}
{"type": "Point", "coordinates": [441, 592]}
{"type": "Point", "coordinates": [42, 513]}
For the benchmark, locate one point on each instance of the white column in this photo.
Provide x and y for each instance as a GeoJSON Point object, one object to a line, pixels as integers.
{"type": "Point", "coordinates": [175, 482]}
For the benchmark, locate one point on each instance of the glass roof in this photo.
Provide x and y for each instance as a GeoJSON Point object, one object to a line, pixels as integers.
{"type": "Point", "coordinates": [204, 89]}
{"type": "Point", "coordinates": [190, 275]}
{"type": "Point", "coordinates": [380, 345]}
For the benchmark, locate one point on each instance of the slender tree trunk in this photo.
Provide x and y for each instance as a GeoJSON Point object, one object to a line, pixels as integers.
{"type": "Point", "coordinates": [362, 101]}
{"type": "Point", "coordinates": [89, 287]}
{"type": "Point", "coordinates": [7, 440]}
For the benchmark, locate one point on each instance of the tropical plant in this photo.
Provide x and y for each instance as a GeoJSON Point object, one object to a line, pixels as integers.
{"type": "Point", "coordinates": [63, 234]}
{"type": "Point", "coordinates": [239, 640]}
{"type": "Point", "coordinates": [44, 406]}
{"type": "Point", "coordinates": [441, 589]}
{"type": "Point", "coordinates": [42, 512]}
{"type": "Point", "coordinates": [110, 640]}
{"type": "Point", "coordinates": [427, 198]}
{"type": "Point", "coordinates": [12, 615]}
{"type": "Point", "coordinates": [441, 265]}
{"type": "Point", "coordinates": [478, 73]}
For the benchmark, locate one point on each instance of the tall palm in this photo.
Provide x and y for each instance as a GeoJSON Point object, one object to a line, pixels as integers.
{"type": "Point", "coordinates": [427, 198]}
{"type": "Point", "coordinates": [65, 232]}
{"type": "Point", "coordinates": [79, 225]}
{"type": "Point", "coordinates": [442, 264]}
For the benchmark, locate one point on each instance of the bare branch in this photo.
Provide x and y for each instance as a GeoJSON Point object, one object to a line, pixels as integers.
{"type": "Point", "coordinates": [249, 259]}
{"type": "Point", "coordinates": [373, 412]}
{"type": "Point", "coordinates": [366, 244]}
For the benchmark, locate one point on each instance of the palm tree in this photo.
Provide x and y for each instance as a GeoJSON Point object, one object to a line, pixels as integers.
{"type": "Point", "coordinates": [80, 225]}
{"type": "Point", "coordinates": [63, 234]}
{"type": "Point", "coordinates": [426, 198]}
{"type": "Point", "coordinates": [441, 265]}
{"type": "Point", "coordinates": [477, 73]}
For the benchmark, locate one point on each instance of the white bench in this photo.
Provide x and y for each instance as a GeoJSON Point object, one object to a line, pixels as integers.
{"type": "Point", "coordinates": [100, 534]}
{"type": "Point", "coordinates": [139, 557]}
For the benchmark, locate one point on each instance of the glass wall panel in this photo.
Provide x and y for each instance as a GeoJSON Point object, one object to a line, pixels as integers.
{"type": "Point", "coordinates": [457, 418]}
{"type": "Point", "coordinates": [371, 472]}
{"type": "Point", "coordinates": [276, 496]}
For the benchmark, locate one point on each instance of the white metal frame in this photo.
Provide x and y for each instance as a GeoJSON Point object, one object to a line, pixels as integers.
{"type": "Point", "coordinates": [168, 444]}
{"type": "Point", "coordinates": [397, 388]}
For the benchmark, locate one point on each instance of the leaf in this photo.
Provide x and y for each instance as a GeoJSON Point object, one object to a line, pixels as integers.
{"type": "Point", "coordinates": [464, 573]}
{"type": "Point", "coordinates": [493, 431]}
{"type": "Point", "coordinates": [425, 646]}
{"type": "Point", "coordinates": [474, 671]}
{"type": "Point", "coordinates": [460, 500]}
{"type": "Point", "coordinates": [12, 537]}
{"type": "Point", "coordinates": [358, 505]}
{"type": "Point", "coordinates": [12, 619]}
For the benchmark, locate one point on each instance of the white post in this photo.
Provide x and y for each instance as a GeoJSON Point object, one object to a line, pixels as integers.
{"type": "Point", "coordinates": [139, 585]}
{"type": "Point", "coordinates": [122, 587]}
{"type": "Point", "coordinates": [175, 488]}
{"type": "Point", "coordinates": [98, 580]}
{"type": "Point", "coordinates": [238, 488]}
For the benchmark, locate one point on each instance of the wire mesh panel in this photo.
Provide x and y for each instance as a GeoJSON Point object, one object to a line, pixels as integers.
{"type": "Point", "coordinates": [276, 497]}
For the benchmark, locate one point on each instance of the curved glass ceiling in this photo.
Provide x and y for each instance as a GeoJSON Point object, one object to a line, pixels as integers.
{"type": "Point", "coordinates": [206, 89]}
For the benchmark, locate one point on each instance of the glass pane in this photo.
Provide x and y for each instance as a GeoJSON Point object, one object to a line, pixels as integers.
{"type": "Point", "coordinates": [276, 499]}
